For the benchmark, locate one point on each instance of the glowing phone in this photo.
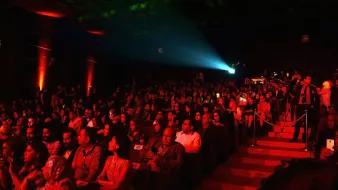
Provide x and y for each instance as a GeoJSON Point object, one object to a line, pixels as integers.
{"type": "Point", "coordinates": [218, 95]}
{"type": "Point", "coordinates": [330, 144]}
{"type": "Point", "coordinates": [242, 99]}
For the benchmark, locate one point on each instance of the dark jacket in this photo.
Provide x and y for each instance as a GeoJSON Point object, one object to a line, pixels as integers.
{"type": "Point", "coordinates": [313, 94]}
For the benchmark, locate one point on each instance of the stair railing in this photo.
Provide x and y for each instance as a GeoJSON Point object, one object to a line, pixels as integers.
{"type": "Point", "coordinates": [254, 129]}
{"type": "Point", "coordinates": [306, 134]}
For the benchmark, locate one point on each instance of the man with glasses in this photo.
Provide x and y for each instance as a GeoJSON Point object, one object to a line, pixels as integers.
{"type": "Point", "coordinates": [192, 143]}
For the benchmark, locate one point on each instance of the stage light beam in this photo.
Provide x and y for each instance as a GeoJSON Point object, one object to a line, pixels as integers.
{"type": "Point", "coordinates": [231, 71]}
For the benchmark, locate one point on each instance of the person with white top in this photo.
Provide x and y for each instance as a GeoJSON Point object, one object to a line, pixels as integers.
{"type": "Point", "coordinates": [188, 138]}
{"type": "Point", "coordinates": [192, 142]}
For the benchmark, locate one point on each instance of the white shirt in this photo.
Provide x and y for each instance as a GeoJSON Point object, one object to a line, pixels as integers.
{"type": "Point", "coordinates": [191, 142]}
{"type": "Point", "coordinates": [90, 124]}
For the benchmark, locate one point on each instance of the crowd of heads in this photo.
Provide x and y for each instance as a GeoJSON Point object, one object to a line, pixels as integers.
{"type": "Point", "coordinates": [64, 138]}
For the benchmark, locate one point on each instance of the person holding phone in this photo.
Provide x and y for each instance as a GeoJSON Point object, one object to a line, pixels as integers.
{"type": "Point", "coordinates": [329, 152]}
{"type": "Point", "coordinates": [324, 149]}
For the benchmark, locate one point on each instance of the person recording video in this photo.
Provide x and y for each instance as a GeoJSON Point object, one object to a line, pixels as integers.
{"type": "Point", "coordinates": [327, 143]}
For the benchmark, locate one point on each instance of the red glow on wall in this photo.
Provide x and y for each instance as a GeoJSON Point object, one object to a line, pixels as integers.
{"type": "Point", "coordinates": [90, 73]}
{"type": "Point", "coordinates": [50, 14]}
{"type": "Point", "coordinates": [96, 32]}
{"type": "Point", "coordinates": [305, 38]}
{"type": "Point", "coordinates": [43, 59]}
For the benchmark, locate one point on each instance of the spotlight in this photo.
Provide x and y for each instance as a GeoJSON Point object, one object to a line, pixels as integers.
{"type": "Point", "coordinates": [160, 50]}
{"type": "Point", "coordinates": [231, 71]}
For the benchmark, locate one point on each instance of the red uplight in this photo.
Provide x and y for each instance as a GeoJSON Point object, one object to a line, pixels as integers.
{"type": "Point", "coordinates": [90, 73]}
{"type": "Point", "coordinates": [50, 14]}
{"type": "Point", "coordinates": [96, 32]}
{"type": "Point", "coordinates": [43, 59]}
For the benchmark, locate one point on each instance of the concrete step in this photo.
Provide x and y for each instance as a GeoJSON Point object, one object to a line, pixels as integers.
{"type": "Point", "coordinates": [283, 152]}
{"type": "Point", "coordinates": [285, 123]}
{"type": "Point", "coordinates": [284, 135]}
{"type": "Point", "coordinates": [231, 182]}
{"type": "Point", "coordinates": [246, 169]}
{"type": "Point", "coordinates": [287, 129]}
{"type": "Point", "coordinates": [243, 170]}
{"type": "Point", "coordinates": [245, 158]}
{"type": "Point", "coordinates": [279, 142]}
{"type": "Point", "coordinates": [290, 129]}
{"type": "Point", "coordinates": [282, 117]}
{"type": "Point", "coordinates": [259, 161]}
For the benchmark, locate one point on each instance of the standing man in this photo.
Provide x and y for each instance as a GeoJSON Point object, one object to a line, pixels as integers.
{"type": "Point", "coordinates": [305, 97]}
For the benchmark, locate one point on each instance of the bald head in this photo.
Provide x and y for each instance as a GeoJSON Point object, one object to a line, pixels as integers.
{"type": "Point", "coordinates": [168, 136]}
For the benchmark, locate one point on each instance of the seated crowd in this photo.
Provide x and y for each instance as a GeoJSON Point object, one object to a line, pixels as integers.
{"type": "Point", "coordinates": [157, 137]}
{"type": "Point", "coordinates": [163, 136]}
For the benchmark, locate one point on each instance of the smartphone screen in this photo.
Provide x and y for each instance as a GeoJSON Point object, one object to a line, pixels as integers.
{"type": "Point", "coordinates": [218, 95]}
{"type": "Point", "coordinates": [330, 144]}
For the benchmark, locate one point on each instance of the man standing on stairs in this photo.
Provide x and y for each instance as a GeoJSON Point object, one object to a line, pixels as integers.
{"type": "Point", "coordinates": [305, 96]}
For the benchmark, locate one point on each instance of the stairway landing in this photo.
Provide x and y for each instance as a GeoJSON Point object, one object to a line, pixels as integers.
{"type": "Point", "coordinates": [246, 169]}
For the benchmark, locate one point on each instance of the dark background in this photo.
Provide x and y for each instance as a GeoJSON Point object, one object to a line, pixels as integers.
{"type": "Point", "coordinates": [263, 35]}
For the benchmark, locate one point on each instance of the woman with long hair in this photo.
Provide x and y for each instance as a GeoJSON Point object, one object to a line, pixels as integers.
{"type": "Point", "coordinates": [116, 171]}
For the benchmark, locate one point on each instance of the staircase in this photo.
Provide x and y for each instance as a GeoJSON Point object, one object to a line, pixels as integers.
{"type": "Point", "coordinates": [246, 169]}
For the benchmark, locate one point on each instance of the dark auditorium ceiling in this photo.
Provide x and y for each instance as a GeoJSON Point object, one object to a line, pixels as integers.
{"type": "Point", "coordinates": [202, 12]}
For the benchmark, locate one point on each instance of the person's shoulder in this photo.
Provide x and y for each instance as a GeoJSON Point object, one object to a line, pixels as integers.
{"type": "Point", "coordinates": [126, 162]}
{"type": "Point", "coordinates": [178, 145]}
{"type": "Point", "coordinates": [196, 134]}
{"type": "Point", "coordinates": [66, 183]}
{"type": "Point", "coordinates": [97, 148]}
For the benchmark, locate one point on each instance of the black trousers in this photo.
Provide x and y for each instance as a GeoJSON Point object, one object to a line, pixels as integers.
{"type": "Point", "coordinates": [292, 111]}
{"type": "Point", "coordinates": [300, 111]}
